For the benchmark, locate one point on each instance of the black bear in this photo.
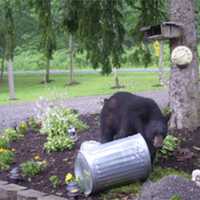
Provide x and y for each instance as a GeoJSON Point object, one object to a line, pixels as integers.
{"type": "Point", "coordinates": [125, 114]}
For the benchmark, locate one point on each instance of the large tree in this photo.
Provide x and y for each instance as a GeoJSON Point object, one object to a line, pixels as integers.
{"type": "Point", "coordinates": [2, 50]}
{"type": "Point", "coordinates": [48, 40]}
{"type": "Point", "coordinates": [9, 42]}
{"type": "Point", "coordinates": [70, 26]}
{"type": "Point", "coordinates": [184, 83]}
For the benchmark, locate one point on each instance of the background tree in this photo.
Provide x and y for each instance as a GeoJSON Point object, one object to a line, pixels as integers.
{"type": "Point", "coordinates": [48, 40]}
{"type": "Point", "coordinates": [2, 49]}
{"type": "Point", "coordinates": [184, 83]}
{"type": "Point", "coordinates": [70, 26]}
{"type": "Point", "coordinates": [9, 42]}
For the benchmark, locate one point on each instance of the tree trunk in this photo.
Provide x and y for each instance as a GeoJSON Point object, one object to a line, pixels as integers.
{"type": "Point", "coordinates": [117, 85]}
{"type": "Point", "coordinates": [2, 69]}
{"type": "Point", "coordinates": [46, 76]}
{"type": "Point", "coordinates": [184, 87]}
{"type": "Point", "coordinates": [116, 79]}
{"type": "Point", "coordinates": [11, 80]}
{"type": "Point", "coordinates": [71, 68]}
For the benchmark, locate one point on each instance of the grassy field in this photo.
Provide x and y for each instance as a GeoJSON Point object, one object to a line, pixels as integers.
{"type": "Point", "coordinates": [29, 88]}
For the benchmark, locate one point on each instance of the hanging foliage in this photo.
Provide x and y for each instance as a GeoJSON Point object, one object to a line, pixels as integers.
{"type": "Point", "coordinates": [48, 39]}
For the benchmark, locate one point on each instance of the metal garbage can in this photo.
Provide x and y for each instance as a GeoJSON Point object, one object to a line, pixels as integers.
{"type": "Point", "coordinates": [118, 162]}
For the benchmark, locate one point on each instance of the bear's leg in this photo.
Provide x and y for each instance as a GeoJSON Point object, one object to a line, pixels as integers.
{"type": "Point", "coordinates": [107, 135]}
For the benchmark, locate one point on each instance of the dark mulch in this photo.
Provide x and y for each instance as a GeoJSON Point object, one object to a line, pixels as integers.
{"type": "Point", "coordinates": [62, 162]}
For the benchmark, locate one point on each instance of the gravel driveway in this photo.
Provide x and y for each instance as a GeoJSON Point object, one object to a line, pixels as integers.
{"type": "Point", "coordinates": [12, 114]}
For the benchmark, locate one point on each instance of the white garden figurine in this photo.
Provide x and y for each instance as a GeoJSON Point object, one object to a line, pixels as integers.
{"type": "Point", "coordinates": [196, 176]}
{"type": "Point", "coordinates": [181, 55]}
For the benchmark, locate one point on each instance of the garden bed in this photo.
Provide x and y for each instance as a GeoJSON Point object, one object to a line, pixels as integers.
{"type": "Point", "coordinates": [61, 163]}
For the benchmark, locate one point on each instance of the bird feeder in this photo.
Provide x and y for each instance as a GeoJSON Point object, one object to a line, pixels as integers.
{"type": "Point", "coordinates": [164, 31]}
{"type": "Point", "coordinates": [100, 166]}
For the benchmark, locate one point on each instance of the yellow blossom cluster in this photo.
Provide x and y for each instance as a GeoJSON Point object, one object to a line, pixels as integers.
{"type": "Point", "coordinates": [68, 178]}
{"type": "Point", "coordinates": [2, 150]}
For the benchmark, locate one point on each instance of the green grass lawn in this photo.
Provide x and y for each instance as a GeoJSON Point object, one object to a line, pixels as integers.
{"type": "Point", "coordinates": [29, 88]}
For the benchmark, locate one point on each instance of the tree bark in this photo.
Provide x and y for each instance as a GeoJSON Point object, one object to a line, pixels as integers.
{"type": "Point", "coordinates": [71, 67]}
{"type": "Point", "coordinates": [2, 69]}
{"type": "Point", "coordinates": [117, 85]}
{"type": "Point", "coordinates": [11, 80]}
{"type": "Point", "coordinates": [184, 86]}
{"type": "Point", "coordinates": [116, 79]}
{"type": "Point", "coordinates": [46, 76]}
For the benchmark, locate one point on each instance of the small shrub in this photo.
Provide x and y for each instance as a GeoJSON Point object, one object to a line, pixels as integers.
{"type": "Point", "coordinates": [22, 128]}
{"type": "Point", "coordinates": [6, 159]}
{"type": "Point", "coordinates": [58, 143]}
{"type": "Point", "coordinates": [33, 124]}
{"type": "Point", "coordinates": [3, 142]}
{"type": "Point", "coordinates": [169, 146]}
{"type": "Point", "coordinates": [56, 123]}
{"type": "Point", "coordinates": [55, 181]}
{"type": "Point", "coordinates": [32, 168]}
{"type": "Point", "coordinates": [11, 135]}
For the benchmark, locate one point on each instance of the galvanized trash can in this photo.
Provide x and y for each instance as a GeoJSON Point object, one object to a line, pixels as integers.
{"type": "Point", "coordinates": [99, 166]}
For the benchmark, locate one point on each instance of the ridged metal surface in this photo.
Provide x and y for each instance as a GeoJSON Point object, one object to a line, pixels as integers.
{"type": "Point", "coordinates": [113, 163]}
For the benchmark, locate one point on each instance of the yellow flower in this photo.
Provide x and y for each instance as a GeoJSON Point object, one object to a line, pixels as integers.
{"type": "Point", "coordinates": [68, 177]}
{"type": "Point", "coordinates": [37, 157]}
{"type": "Point", "coordinates": [156, 46]}
{"type": "Point", "coordinates": [2, 150]}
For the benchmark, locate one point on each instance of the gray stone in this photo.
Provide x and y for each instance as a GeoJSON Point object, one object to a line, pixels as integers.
{"type": "Point", "coordinates": [9, 191]}
{"type": "Point", "coordinates": [51, 197]}
{"type": "Point", "coordinates": [168, 187]}
{"type": "Point", "coordinates": [29, 195]}
{"type": "Point", "coordinates": [3, 182]}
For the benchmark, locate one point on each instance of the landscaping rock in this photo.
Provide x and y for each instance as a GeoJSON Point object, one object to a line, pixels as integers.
{"type": "Point", "coordinates": [29, 195]}
{"type": "Point", "coordinates": [169, 187]}
{"type": "Point", "coordinates": [10, 191]}
{"type": "Point", "coordinates": [51, 197]}
{"type": "Point", "coordinates": [3, 182]}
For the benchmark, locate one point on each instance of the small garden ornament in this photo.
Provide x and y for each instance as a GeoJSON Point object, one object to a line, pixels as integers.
{"type": "Point", "coordinates": [196, 176]}
{"type": "Point", "coordinates": [15, 175]}
{"type": "Point", "coordinates": [181, 56]}
{"type": "Point", "coordinates": [72, 133]}
{"type": "Point", "coordinates": [72, 188]}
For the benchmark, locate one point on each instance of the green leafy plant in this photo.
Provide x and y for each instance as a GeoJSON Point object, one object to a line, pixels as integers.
{"type": "Point", "coordinates": [3, 142]}
{"type": "Point", "coordinates": [33, 124]}
{"type": "Point", "coordinates": [169, 146]}
{"type": "Point", "coordinates": [22, 128]}
{"type": "Point", "coordinates": [55, 123]}
{"type": "Point", "coordinates": [55, 181]}
{"type": "Point", "coordinates": [167, 111]}
{"type": "Point", "coordinates": [11, 135]}
{"type": "Point", "coordinates": [176, 197]}
{"type": "Point", "coordinates": [6, 159]}
{"type": "Point", "coordinates": [32, 168]}
{"type": "Point", "coordinates": [58, 143]}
